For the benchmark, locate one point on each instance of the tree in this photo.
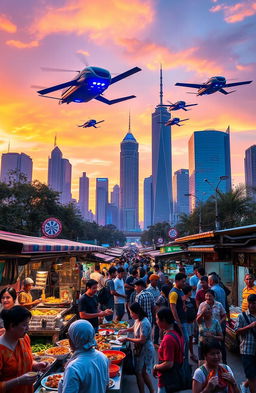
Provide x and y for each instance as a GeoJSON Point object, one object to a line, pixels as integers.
{"type": "Point", "coordinates": [154, 232]}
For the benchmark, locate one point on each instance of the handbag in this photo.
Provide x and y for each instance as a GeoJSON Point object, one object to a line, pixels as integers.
{"type": "Point", "coordinates": [179, 377]}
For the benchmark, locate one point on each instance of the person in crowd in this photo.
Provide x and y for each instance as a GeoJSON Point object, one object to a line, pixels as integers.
{"type": "Point", "coordinates": [200, 273]}
{"type": "Point", "coordinates": [218, 313]}
{"type": "Point", "coordinates": [143, 347]}
{"type": "Point", "coordinates": [97, 276]}
{"type": "Point", "coordinates": [177, 304]}
{"type": "Point", "coordinates": [200, 295]}
{"type": "Point", "coordinates": [171, 347]}
{"type": "Point", "coordinates": [88, 305]}
{"type": "Point", "coordinates": [168, 282]}
{"type": "Point", "coordinates": [109, 284]}
{"type": "Point", "coordinates": [129, 286]}
{"type": "Point", "coordinates": [16, 360]}
{"type": "Point", "coordinates": [153, 286]}
{"type": "Point", "coordinates": [163, 298]}
{"type": "Point", "coordinates": [120, 296]}
{"type": "Point", "coordinates": [142, 274]}
{"type": "Point", "coordinates": [160, 274]}
{"type": "Point", "coordinates": [249, 289]}
{"type": "Point", "coordinates": [191, 312]}
{"type": "Point", "coordinates": [208, 328]}
{"type": "Point", "coordinates": [7, 298]}
{"type": "Point", "coordinates": [87, 370]}
{"type": "Point", "coordinates": [25, 298]}
{"type": "Point", "coordinates": [213, 376]}
{"type": "Point", "coordinates": [246, 330]}
{"type": "Point", "coordinates": [145, 299]}
{"type": "Point", "coordinates": [220, 296]}
{"type": "Point", "coordinates": [193, 281]}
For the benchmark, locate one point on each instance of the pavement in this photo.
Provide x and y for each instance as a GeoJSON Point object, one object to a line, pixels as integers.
{"type": "Point", "coordinates": [129, 384]}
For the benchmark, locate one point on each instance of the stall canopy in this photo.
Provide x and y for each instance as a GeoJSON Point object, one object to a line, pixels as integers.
{"type": "Point", "coordinates": [32, 244]}
{"type": "Point", "coordinates": [115, 252]}
{"type": "Point", "coordinates": [104, 257]}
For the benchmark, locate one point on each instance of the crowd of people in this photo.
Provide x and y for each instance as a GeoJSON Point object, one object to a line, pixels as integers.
{"type": "Point", "coordinates": [166, 322]}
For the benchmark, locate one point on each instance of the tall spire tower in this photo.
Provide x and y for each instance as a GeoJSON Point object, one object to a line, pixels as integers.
{"type": "Point", "coordinates": [161, 162]}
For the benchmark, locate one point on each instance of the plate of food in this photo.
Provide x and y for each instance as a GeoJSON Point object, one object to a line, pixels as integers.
{"type": "Point", "coordinates": [106, 332]}
{"type": "Point", "coordinates": [51, 382]}
{"type": "Point", "coordinates": [111, 383]}
{"type": "Point", "coordinates": [63, 343]}
{"type": "Point", "coordinates": [115, 357]}
{"type": "Point", "coordinates": [47, 359]}
{"type": "Point", "coordinates": [58, 352]}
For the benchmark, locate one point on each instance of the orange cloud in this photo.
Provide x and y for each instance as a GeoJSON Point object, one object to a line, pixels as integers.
{"type": "Point", "coordinates": [100, 18]}
{"type": "Point", "coordinates": [22, 45]}
{"type": "Point", "coordinates": [153, 54]}
{"type": "Point", "coordinates": [7, 25]}
{"type": "Point", "coordinates": [237, 12]}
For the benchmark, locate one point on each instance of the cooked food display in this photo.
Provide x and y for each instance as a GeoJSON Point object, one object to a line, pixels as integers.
{"type": "Point", "coordinates": [114, 325]}
{"type": "Point", "coordinates": [39, 349]}
{"type": "Point", "coordinates": [57, 351]}
{"type": "Point", "coordinates": [55, 300]}
{"type": "Point", "coordinates": [116, 357]}
{"type": "Point", "coordinates": [43, 312]}
{"type": "Point", "coordinates": [63, 343]}
{"type": "Point", "coordinates": [53, 381]}
{"type": "Point", "coordinates": [68, 317]}
{"type": "Point", "coordinates": [47, 359]}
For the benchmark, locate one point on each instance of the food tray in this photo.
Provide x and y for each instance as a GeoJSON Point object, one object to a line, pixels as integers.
{"type": "Point", "coordinates": [44, 380]}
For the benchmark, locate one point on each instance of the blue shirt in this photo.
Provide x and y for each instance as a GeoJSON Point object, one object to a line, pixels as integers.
{"type": "Point", "coordinates": [220, 295]}
{"type": "Point", "coordinates": [193, 281]}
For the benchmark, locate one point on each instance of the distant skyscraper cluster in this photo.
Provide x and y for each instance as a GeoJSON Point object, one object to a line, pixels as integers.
{"type": "Point", "coordinates": [250, 170]}
{"type": "Point", "coordinates": [13, 165]}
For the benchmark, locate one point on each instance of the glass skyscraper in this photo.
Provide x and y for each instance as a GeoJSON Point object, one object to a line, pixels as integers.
{"type": "Point", "coordinates": [101, 200]}
{"type": "Point", "coordinates": [129, 183]}
{"type": "Point", "coordinates": [147, 202]}
{"type": "Point", "coordinates": [84, 195]}
{"type": "Point", "coordinates": [250, 170]}
{"type": "Point", "coordinates": [209, 158]}
{"type": "Point", "coordinates": [14, 165]}
{"type": "Point", "coordinates": [161, 163]}
{"type": "Point", "coordinates": [180, 188]}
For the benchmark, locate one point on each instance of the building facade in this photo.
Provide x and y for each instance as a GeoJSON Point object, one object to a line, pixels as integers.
{"type": "Point", "coordinates": [250, 170]}
{"type": "Point", "coordinates": [84, 195]}
{"type": "Point", "coordinates": [101, 200]}
{"type": "Point", "coordinates": [209, 158]}
{"type": "Point", "coordinates": [59, 175]}
{"type": "Point", "coordinates": [147, 202]}
{"type": "Point", "coordinates": [129, 183]}
{"type": "Point", "coordinates": [161, 163]}
{"type": "Point", "coordinates": [180, 193]}
{"type": "Point", "coordinates": [14, 166]}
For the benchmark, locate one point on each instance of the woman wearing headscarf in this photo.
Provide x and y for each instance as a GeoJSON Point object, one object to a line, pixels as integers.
{"type": "Point", "coordinates": [87, 370]}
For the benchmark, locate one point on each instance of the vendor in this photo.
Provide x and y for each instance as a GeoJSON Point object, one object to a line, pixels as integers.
{"type": "Point", "coordinates": [25, 298]}
{"type": "Point", "coordinates": [250, 289]}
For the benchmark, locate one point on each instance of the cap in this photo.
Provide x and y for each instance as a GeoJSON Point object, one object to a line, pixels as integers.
{"type": "Point", "coordinates": [153, 277]}
{"type": "Point", "coordinates": [28, 281]}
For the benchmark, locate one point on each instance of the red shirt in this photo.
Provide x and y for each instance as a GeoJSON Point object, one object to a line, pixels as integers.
{"type": "Point", "coordinates": [200, 296]}
{"type": "Point", "coordinates": [169, 350]}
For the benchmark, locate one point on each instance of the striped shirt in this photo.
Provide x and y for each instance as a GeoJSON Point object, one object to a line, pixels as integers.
{"type": "Point", "coordinates": [247, 339]}
{"type": "Point", "coordinates": [147, 302]}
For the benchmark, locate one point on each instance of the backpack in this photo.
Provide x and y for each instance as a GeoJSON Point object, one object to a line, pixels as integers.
{"type": "Point", "coordinates": [191, 312]}
{"type": "Point", "coordinates": [104, 295]}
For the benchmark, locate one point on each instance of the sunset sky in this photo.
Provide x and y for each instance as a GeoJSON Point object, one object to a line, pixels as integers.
{"type": "Point", "coordinates": [193, 39]}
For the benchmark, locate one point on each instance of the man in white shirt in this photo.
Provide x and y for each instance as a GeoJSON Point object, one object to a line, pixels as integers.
{"type": "Point", "coordinates": [120, 296]}
{"type": "Point", "coordinates": [97, 276]}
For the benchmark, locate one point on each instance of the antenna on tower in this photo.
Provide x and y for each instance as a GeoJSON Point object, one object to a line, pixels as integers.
{"type": "Point", "coordinates": [8, 150]}
{"type": "Point", "coordinates": [161, 85]}
{"type": "Point", "coordinates": [55, 140]}
{"type": "Point", "coordinates": [228, 130]}
{"type": "Point", "coordinates": [129, 124]}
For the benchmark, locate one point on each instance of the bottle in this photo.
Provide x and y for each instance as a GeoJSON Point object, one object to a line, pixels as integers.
{"type": "Point", "coordinates": [43, 295]}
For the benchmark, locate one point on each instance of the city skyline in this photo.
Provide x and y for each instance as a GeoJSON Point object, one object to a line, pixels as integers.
{"type": "Point", "coordinates": [146, 34]}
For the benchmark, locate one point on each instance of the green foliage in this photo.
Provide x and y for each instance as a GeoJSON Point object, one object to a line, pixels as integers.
{"type": "Point", "coordinates": [24, 206]}
{"type": "Point", "coordinates": [154, 232]}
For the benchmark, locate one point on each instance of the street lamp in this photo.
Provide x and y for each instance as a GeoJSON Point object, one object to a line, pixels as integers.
{"type": "Point", "coordinates": [200, 210]}
{"type": "Point", "coordinates": [216, 190]}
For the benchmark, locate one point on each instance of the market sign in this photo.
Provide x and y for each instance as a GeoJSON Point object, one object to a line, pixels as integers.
{"type": "Point", "coordinates": [173, 233]}
{"type": "Point", "coordinates": [170, 249]}
{"type": "Point", "coordinates": [51, 227]}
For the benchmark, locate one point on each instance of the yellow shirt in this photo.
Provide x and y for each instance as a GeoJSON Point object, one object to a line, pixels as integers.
{"type": "Point", "coordinates": [246, 292]}
{"type": "Point", "coordinates": [25, 298]}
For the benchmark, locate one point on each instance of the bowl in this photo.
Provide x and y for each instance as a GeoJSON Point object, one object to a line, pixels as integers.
{"type": "Point", "coordinates": [115, 357]}
{"type": "Point", "coordinates": [49, 359]}
{"type": "Point", "coordinates": [63, 343]}
{"type": "Point", "coordinates": [58, 352]}
{"type": "Point", "coordinates": [113, 370]}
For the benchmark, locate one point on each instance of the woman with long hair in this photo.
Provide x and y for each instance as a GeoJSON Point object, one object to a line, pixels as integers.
{"type": "Point", "coordinates": [213, 376]}
{"type": "Point", "coordinates": [143, 346]}
{"type": "Point", "coordinates": [171, 347]}
{"type": "Point", "coordinates": [7, 298]}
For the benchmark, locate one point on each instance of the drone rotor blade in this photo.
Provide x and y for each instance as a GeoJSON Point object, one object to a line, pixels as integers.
{"type": "Point", "coordinates": [101, 121]}
{"type": "Point", "coordinates": [58, 87]}
{"type": "Point", "coordinates": [57, 69]}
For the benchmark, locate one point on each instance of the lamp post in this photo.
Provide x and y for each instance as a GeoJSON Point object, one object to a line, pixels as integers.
{"type": "Point", "coordinates": [200, 210]}
{"type": "Point", "coordinates": [216, 190]}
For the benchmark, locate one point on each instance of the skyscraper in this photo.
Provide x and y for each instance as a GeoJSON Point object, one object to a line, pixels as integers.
{"type": "Point", "coordinates": [101, 200]}
{"type": "Point", "coordinates": [147, 202]}
{"type": "Point", "coordinates": [59, 175]}
{"type": "Point", "coordinates": [84, 195]}
{"type": "Point", "coordinates": [180, 188]}
{"type": "Point", "coordinates": [161, 163]}
{"type": "Point", "coordinates": [250, 169]}
{"type": "Point", "coordinates": [115, 195]}
{"type": "Point", "coordinates": [129, 183]}
{"type": "Point", "coordinates": [115, 201]}
{"type": "Point", "coordinates": [209, 158]}
{"type": "Point", "coordinates": [21, 164]}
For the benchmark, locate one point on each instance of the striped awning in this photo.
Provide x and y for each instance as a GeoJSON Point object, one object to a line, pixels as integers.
{"type": "Point", "coordinates": [103, 257]}
{"type": "Point", "coordinates": [33, 244]}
